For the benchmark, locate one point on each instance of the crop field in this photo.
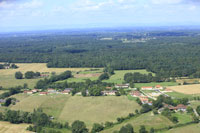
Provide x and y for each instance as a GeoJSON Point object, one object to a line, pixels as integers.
{"type": "Point", "coordinates": [118, 77]}
{"type": "Point", "coordinates": [71, 108]}
{"type": "Point", "coordinates": [149, 120]}
{"type": "Point", "coordinates": [7, 76]}
{"type": "Point", "coordinates": [194, 128]}
{"type": "Point", "coordinates": [6, 127]}
{"type": "Point", "coordinates": [187, 89]}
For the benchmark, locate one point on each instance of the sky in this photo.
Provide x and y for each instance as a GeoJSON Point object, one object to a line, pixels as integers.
{"type": "Point", "coordinates": [19, 15]}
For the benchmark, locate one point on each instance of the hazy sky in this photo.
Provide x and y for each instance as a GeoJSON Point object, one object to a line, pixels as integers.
{"type": "Point", "coordinates": [53, 14]}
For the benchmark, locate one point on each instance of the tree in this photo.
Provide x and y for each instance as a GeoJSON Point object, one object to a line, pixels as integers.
{"type": "Point", "coordinates": [142, 129]}
{"type": "Point", "coordinates": [129, 128]}
{"type": "Point", "coordinates": [152, 130]}
{"type": "Point", "coordinates": [18, 75]}
{"type": "Point", "coordinates": [79, 127]}
{"type": "Point", "coordinates": [83, 92]}
{"type": "Point", "coordinates": [198, 109]}
{"type": "Point", "coordinates": [104, 76]}
{"type": "Point", "coordinates": [145, 108]}
{"type": "Point", "coordinates": [29, 75]}
{"type": "Point", "coordinates": [97, 128]}
{"type": "Point", "coordinates": [25, 86]}
{"type": "Point", "coordinates": [189, 109]}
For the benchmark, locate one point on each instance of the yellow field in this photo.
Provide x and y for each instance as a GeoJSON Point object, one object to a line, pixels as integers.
{"type": "Point", "coordinates": [7, 76]}
{"type": "Point", "coordinates": [187, 89]}
{"type": "Point", "coordinates": [6, 127]}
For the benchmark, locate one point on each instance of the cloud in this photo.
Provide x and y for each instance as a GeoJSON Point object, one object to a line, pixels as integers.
{"type": "Point", "coordinates": [166, 1]}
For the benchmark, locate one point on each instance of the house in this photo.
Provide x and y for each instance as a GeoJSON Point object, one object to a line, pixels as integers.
{"type": "Point", "coordinates": [43, 93]}
{"type": "Point", "coordinates": [66, 92]}
{"type": "Point", "coordinates": [135, 94]}
{"type": "Point", "coordinates": [159, 87]}
{"type": "Point", "coordinates": [144, 99]}
{"type": "Point", "coordinates": [109, 93]}
{"type": "Point", "coordinates": [50, 90]}
{"type": "Point", "coordinates": [122, 86]}
{"type": "Point", "coordinates": [28, 92]}
{"type": "Point", "coordinates": [35, 90]}
{"type": "Point", "coordinates": [147, 88]}
{"type": "Point", "coordinates": [179, 107]}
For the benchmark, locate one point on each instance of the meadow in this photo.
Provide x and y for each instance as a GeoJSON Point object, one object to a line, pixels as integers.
{"type": "Point", "coordinates": [148, 119]}
{"type": "Point", "coordinates": [6, 127]}
{"type": "Point", "coordinates": [71, 108]}
{"type": "Point", "coordinates": [7, 76]}
{"type": "Point", "coordinates": [194, 128]}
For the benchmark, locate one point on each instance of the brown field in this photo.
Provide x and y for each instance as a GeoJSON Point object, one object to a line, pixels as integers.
{"type": "Point", "coordinates": [87, 75]}
{"type": "Point", "coordinates": [187, 89]}
{"type": "Point", "coordinates": [6, 127]}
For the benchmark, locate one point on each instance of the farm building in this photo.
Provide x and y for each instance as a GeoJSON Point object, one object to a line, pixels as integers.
{"type": "Point", "coordinates": [110, 93]}
{"type": "Point", "coordinates": [135, 94]}
{"type": "Point", "coordinates": [147, 88]}
{"type": "Point", "coordinates": [122, 86]}
{"type": "Point", "coordinates": [66, 92]}
{"type": "Point", "coordinates": [35, 90]}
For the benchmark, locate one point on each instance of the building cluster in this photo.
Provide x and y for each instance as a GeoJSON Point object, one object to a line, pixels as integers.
{"type": "Point", "coordinates": [179, 107]}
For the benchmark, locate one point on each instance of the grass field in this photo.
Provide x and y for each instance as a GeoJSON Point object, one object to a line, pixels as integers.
{"type": "Point", "coordinates": [178, 95]}
{"type": "Point", "coordinates": [7, 78]}
{"type": "Point", "coordinates": [118, 77]}
{"type": "Point", "coordinates": [149, 120]}
{"type": "Point", "coordinates": [6, 127]}
{"type": "Point", "coordinates": [194, 128]}
{"type": "Point", "coordinates": [183, 117]}
{"type": "Point", "coordinates": [187, 89]}
{"type": "Point", "coordinates": [87, 109]}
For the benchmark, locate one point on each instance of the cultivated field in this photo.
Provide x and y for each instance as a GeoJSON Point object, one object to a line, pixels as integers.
{"type": "Point", "coordinates": [187, 89]}
{"type": "Point", "coordinates": [70, 108]}
{"type": "Point", "coordinates": [6, 127]}
{"type": "Point", "coordinates": [7, 76]}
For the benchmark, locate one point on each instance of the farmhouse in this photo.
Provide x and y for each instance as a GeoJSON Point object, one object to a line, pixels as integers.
{"type": "Point", "coordinates": [110, 93]}
{"type": "Point", "coordinates": [147, 88]}
{"type": "Point", "coordinates": [122, 86]}
{"type": "Point", "coordinates": [135, 94]}
{"type": "Point", "coordinates": [159, 87]}
{"type": "Point", "coordinates": [43, 93]}
{"type": "Point", "coordinates": [144, 99]}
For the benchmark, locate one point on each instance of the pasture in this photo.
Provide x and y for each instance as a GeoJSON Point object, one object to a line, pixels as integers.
{"type": "Point", "coordinates": [187, 89]}
{"type": "Point", "coordinates": [194, 128]}
{"type": "Point", "coordinates": [7, 76]}
{"type": "Point", "coordinates": [71, 108]}
{"type": "Point", "coordinates": [149, 120]}
{"type": "Point", "coordinates": [6, 127]}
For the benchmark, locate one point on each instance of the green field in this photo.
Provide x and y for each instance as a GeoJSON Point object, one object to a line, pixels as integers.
{"type": "Point", "coordinates": [181, 95]}
{"type": "Point", "coordinates": [118, 77]}
{"type": "Point", "coordinates": [71, 108]}
{"type": "Point", "coordinates": [194, 128]}
{"type": "Point", "coordinates": [149, 120]}
{"type": "Point", "coordinates": [183, 117]}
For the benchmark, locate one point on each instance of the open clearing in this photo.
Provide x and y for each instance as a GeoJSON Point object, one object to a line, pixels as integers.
{"type": "Point", "coordinates": [6, 127]}
{"type": "Point", "coordinates": [7, 76]}
{"type": "Point", "coordinates": [149, 120]}
{"type": "Point", "coordinates": [187, 89]}
{"type": "Point", "coordinates": [71, 108]}
{"type": "Point", "coordinates": [194, 128]}
{"type": "Point", "coordinates": [118, 77]}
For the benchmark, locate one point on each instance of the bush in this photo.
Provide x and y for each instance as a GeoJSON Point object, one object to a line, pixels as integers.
{"type": "Point", "coordinates": [97, 128]}
{"type": "Point", "coordinates": [18, 75]}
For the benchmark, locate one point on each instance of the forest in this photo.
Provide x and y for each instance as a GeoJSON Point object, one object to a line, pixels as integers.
{"type": "Point", "coordinates": [168, 54]}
